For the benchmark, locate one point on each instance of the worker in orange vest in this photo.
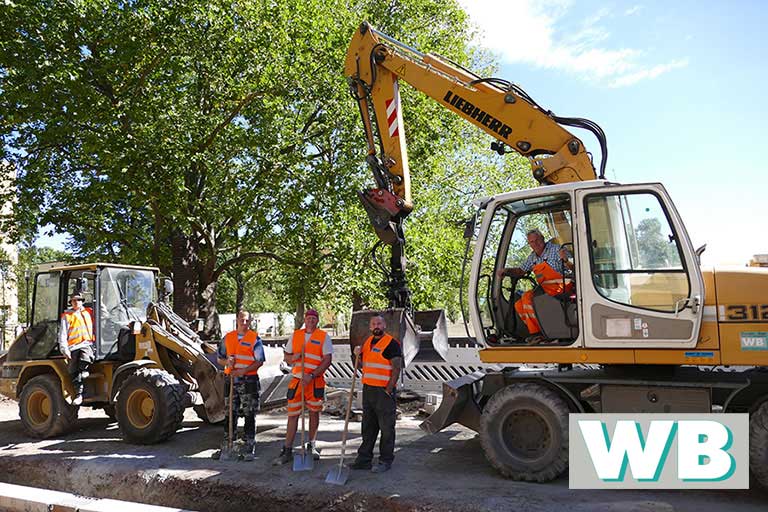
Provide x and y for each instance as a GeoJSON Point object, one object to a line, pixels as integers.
{"type": "Point", "coordinates": [548, 262]}
{"type": "Point", "coordinates": [381, 363]}
{"type": "Point", "coordinates": [242, 352]}
{"type": "Point", "coordinates": [316, 348]}
{"type": "Point", "coordinates": [76, 341]}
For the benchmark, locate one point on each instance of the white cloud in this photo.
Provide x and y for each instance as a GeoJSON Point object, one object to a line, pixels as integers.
{"type": "Point", "coordinates": [533, 32]}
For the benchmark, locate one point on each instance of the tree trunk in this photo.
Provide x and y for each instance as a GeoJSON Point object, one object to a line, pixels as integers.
{"type": "Point", "coordinates": [240, 289]}
{"type": "Point", "coordinates": [298, 320]}
{"type": "Point", "coordinates": [357, 301]}
{"type": "Point", "coordinates": [209, 314]}
{"type": "Point", "coordinates": [186, 265]}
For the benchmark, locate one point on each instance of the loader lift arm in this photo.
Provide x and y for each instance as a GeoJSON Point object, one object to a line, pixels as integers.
{"type": "Point", "coordinates": [374, 65]}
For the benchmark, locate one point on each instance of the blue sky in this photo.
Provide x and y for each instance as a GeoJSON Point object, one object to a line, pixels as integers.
{"type": "Point", "coordinates": [677, 86]}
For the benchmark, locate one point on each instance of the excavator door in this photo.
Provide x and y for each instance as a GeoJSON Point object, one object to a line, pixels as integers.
{"type": "Point", "coordinates": [641, 283]}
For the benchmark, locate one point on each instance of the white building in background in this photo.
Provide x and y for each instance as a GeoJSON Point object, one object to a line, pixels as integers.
{"type": "Point", "coordinates": [9, 257]}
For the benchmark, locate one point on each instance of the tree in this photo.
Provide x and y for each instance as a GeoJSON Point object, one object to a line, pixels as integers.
{"type": "Point", "coordinates": [213, 139]}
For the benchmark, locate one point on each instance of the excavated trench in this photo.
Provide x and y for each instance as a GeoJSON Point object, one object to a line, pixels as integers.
{"type": "Point", "coordinates": [203, 494]}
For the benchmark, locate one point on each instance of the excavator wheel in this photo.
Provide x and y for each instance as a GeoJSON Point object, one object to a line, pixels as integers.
{"type": "Point", "coordinates": [150, 406]}
{"type": "Point", "coordinates": [524, 432]}
{"type": "Point", "coordinates": [43, 410]}
{"type": "Point", "coordinates": [758, 444]}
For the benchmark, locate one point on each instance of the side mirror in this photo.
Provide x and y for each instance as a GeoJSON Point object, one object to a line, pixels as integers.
{"type": "Point", "coordinates": [469, 228]}
{"type": "Point", "coordinates": [167, 287]}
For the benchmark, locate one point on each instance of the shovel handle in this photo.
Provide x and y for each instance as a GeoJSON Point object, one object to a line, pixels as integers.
{"type": "Point", "coordinates": [349, 412]}
{"type": "Point", "coordinates": [231, 399]}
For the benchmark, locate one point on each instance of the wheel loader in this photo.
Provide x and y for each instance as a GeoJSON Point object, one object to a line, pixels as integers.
{"type": "Point", "coordinates": [149, 364]}
{"type": "Point", "coordinates": [639, 327]}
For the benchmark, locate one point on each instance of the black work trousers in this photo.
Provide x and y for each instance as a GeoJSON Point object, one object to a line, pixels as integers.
{"type": "Point", "coordinates": [379, 414]}
{"type": "Point", "coordinates": [80, 361]}
{"type": "Point", "coordinates": [245, 403]}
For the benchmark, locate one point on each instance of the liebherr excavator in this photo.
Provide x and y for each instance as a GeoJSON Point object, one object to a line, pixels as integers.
{"type": "Point", "coordinates": [646, 329]}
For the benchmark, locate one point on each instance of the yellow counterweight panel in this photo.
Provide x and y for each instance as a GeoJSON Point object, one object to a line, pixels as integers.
{"type": "Point", "coordinates": [512, 355]}
{"type": "Point", "coordinates": [742, 313]}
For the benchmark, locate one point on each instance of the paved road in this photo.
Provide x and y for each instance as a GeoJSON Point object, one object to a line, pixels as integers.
{"type": "Point", "coordinates": [446, 471]}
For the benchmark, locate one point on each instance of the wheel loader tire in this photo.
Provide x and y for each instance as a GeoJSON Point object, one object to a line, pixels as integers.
{"type": "Point", "coordinates": [524, 433]}
{"type": "Point", "coordinates": [200, 411]}
{"type": "Point", "coordinates": [109, 410]}
{"type": "Point", "coordinates": [43, 410]}
{"type": "Point", "coordinates": [758, 445]}
{"type": "Point", "coordinates": [150, 406]}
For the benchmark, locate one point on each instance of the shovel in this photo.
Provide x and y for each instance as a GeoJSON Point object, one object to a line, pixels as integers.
{"type": "Point", "coordinates": [303, 461]}
{"type": "Point", "coordinates": [339, 474]}
{"type": "Point", "coordinates": [226, 454]}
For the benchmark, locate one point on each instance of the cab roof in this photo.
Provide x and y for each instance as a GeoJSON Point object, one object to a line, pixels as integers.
{"type": "Point", "coordinates": [95, 265]}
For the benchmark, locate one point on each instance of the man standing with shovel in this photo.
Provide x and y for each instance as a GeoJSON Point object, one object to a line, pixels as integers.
{"type": "Point", "coordinates": [382, 362]}
{"type": "Point", "coordinates": [243, 354]}
{"type": "Point", "coordinates": [309, 351]}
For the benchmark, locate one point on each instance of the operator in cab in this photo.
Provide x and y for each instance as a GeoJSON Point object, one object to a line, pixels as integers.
{"type": "Point", "coordinates": [548, 261]}
{"type": "Point", "coordinates": [76, 341]}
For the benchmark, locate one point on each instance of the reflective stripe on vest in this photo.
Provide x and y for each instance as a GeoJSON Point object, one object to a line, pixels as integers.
{"type": "Point", "coordinates": [313, 352]}
{"type": "Point", "coordinates": [550, 279]}
{"type": "Point", "coordinates": [377, 370]}
{"type": "Point", "coordinates": [79, 326]}
{"type": "Point", "coordinates": [242, 350]}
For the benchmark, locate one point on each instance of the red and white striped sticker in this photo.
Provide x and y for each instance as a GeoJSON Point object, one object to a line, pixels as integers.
{"type": "Point", "coordinates": [392, 106]}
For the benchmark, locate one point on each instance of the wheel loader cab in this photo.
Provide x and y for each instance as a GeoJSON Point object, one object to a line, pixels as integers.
{"type": "Point", "coordinates": [636, 280]}
{"type": "Point", "coordinates": [113, 295]}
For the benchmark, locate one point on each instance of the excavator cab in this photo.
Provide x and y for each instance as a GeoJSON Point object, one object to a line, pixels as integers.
{"type": "Point", "coordinates": [633, 264]}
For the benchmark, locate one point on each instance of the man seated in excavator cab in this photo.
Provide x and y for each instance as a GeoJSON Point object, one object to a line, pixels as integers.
{"type": "Point", "coordinates": [549, 262]}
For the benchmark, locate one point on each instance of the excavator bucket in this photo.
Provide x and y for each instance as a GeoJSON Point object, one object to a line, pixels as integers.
{"type": "Point", "coordinates": [426, 332]}
{"type": "Point", "coordinates": [457, 406]}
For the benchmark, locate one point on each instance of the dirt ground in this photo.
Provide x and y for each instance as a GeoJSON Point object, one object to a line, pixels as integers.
{"type": "Point", "coordinates": [443, 472]}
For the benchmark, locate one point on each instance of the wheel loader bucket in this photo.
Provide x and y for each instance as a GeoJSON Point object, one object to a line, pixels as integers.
{"type": "Point", "coordinates": [211, 384]}
{"type": "Point", "coordinates": [427, 330]}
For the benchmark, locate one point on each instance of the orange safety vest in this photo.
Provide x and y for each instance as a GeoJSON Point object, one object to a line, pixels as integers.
{"type": "Point", "coordinates": [79, 326]}
{"type": "Point", "coordinates": [241, 349]}
{"type": "Point", "coordinates": [551, 280]}
{"type": "Point", "coordinates": [313, 353]}
{"type": "Point", "coordinates": [377, 370]}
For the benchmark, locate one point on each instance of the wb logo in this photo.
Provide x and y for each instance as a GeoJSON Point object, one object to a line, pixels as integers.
{"type": "Point", "coordinates": [663, 451]}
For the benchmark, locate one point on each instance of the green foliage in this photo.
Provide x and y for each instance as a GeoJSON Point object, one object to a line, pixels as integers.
{"type": "Point", "coordinates": [230, 124]}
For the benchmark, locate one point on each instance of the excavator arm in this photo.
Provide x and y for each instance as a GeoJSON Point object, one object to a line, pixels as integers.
{"type": "Point", "coordinates": [374, 66]}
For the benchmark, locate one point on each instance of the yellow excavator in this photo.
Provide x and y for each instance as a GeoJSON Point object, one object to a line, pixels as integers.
{"type": "Point", "coordinates": [149, 365]}
{"type": "Point", "coordinates": [643, 328]}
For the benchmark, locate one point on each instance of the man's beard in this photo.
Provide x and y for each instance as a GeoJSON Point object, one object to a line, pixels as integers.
{"type": "Point", "coordinates": [377, 332]}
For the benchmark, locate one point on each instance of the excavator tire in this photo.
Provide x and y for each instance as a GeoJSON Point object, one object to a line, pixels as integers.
{"type": "Point", "coordinates": [524, 432]}
{"type": "Point", "coordinates": [43, 410]}
{"type": "Point", "coordinates": [150, 406]}
{"type": "Point", "coordinates": [758, 444]}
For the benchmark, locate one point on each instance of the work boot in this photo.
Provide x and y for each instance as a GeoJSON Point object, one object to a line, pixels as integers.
{"type": "Point", "coordinates": [311, 448]}
{"type": "Point", "coordinates": [249, 452]}
{"type": "Point", "coordinates": [78, 400]}
{"type": "Point", "coordinates": [381, 467]}
{"type": "Point", "coordinates": [286, 456]}
{"type": "Point", "coordinates": [358, 464]}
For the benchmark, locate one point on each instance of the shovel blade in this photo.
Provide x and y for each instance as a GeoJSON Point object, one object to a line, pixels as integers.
{"type": "Point", "coordinates": [337, 476]}
{"type": "Point", "coordinates": [303, 462]}
{"type": "Point", "coordinates": [227, 455]}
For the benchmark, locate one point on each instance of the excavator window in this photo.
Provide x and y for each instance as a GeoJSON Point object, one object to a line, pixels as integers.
{"type": "Point", "coordinates": [635, 256]}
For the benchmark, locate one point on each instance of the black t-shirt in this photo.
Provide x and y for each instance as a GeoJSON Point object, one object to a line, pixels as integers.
{"type": "Point", "coordinates": [393, 349]}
